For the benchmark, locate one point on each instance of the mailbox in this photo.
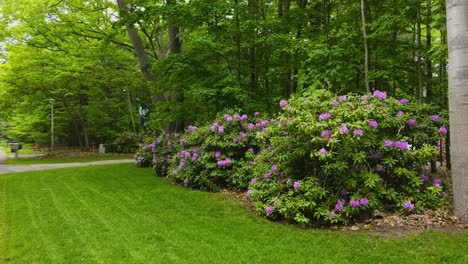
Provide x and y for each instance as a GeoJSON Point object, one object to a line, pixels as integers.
{"type": "Point", "coordinates": [15, 146]}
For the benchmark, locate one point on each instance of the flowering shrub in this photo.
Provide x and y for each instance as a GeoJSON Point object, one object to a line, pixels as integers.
{"type": "Point", "coordinates": [335, 159]}
{"type": "Point", "coordinates": [144, 155]}
{"type": "Point", "coordinates": [219, 155]}
{"type": "Point", "coordinates": [157, 151]}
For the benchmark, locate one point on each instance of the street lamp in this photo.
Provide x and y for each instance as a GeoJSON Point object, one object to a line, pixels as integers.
{"type": "Point", "coordinates": [52, 101]}
{"type": "Point", "coordinates": [130, 109]}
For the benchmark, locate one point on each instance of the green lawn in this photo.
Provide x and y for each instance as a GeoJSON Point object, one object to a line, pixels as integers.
{"type": "Point", "coordinates": [122, 214]}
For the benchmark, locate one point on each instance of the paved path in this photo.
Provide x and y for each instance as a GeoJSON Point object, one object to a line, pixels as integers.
{"type": "Point", "coordinates": [7, 168]}
{"type": "Point", "coordinates": [3, 156]}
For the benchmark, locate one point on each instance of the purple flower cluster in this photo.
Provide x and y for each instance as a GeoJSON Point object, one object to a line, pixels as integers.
{"type": "Point", "coordinates": [324, 116]}
{"type": "Point", "coordinates": [274, 168]}
{"type": "Point", "coordinates": [356, 203]}
{"type": "Point", "coordinates": [283, 103]}
{"type": "Point", "coordinates": [423, 177]}
{"type": "Point", "coordinates": [358, 132]}
{"type": "Point", "coordinates": [228, 118]}
{"type": "Point", "coordinates": [224, 163]}
{"type": "Point", "coordinates": [149, 146]}
{"type": "Point", "coordinates": [373, 124]}
{"type": "Point", "coordinates": [297, 185]}
{"type": "Point", "coordinates": [401, 144]}
{"type": "Point", "coordinates": [191, 128]}
{"type": "Point", "coordinates": [411, 122]}
{"type": "Point", "coordinates": [403, 101]}
{"type": "Point", "coordinates": [379, 94]}
{"type": "Point", "coordinates": [443, 131]}
{"type": "Point", "coordinates": [325, 133]}
{"type": "Point", "coordinates": [344, 129]}
{"type": "Point", "coordinates": [436, 182]}
{"type": "Point", "coordinates": [408, 206]}
{"type": "Point", "coordinates": [323, 151]}
{"type": "Point", "coordinates": [184, 153]}
{"type": "Point", "coordinates": [339, 205]}
{"type": "Point", "coordinates": [435, 118]}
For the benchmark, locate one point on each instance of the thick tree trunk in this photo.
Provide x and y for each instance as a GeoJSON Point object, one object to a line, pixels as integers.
{"type": "Point", "coordinates": [457, 25]}
{"type": "Point", "coordinates": [366, 46]}
{"type": "Point", "coordinates": [137, 45]}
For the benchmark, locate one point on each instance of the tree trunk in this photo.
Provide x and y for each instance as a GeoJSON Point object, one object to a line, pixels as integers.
{"type": "Point", "coordinates": [238, 43]}
{"type": "Point", "coordinates": [252, 5]}
{"type": "Point", "coordinates": [457, 25]}
{"type": "Point", "coordinates": [419, 52]}
{"type": "Point", "coordinates": [284, 7]}
{"type": "Point", "coordinates": [428, 47]}
{"type": "Point", "coordinates": [137, 44]}
{"type": "Point", "coordinates": [366, 47]}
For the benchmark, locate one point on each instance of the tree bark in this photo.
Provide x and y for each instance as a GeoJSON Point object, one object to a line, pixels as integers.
{"type": "Point", "coordinates": [138, 47]}
{"type": "Point", "coordinates": [419, 52]}
{"type": "Point", "coordinates": [366, 46]}
{"type": "Point", "coordinates": [428, 47]}
{"type": "Point", "coordinates": [457, 25]}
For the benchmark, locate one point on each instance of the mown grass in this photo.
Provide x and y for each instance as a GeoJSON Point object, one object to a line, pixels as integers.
{"type": "Point", "coordinates": [51, 160]}
{"type": "Point", "coordinates": [121, 214]}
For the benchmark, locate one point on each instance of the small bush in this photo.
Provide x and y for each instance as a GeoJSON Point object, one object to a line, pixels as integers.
{"type": "Point", "coordinates": [126, 142]}
{"type": "Point", "coordinates": [337, 159]}
{"type": "Point", "coordinates": [218, 155]}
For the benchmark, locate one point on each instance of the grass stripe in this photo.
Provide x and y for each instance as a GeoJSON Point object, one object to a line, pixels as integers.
{"type": "Point", "coordinates": [121, 214]}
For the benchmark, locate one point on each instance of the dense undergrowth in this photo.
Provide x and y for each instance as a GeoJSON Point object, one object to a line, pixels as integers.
{"type": "Point", "coordinates": [324, 158]}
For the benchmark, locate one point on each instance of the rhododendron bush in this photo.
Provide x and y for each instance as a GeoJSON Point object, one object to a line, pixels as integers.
{"type": "Point", "coordinates": [336, 158]}
{"type": "Point", "coordinates": [324, 158]}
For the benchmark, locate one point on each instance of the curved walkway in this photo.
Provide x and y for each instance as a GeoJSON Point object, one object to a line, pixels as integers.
{"type": "Point", "coordinates": [7, 168]}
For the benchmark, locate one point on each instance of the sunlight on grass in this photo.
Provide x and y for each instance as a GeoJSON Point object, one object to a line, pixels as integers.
{"type": "Point", "coordinates": [121, 214]}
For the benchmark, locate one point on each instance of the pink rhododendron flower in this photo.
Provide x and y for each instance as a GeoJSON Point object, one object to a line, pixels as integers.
{"type": "Point", "coordinates": [283, 103]}
{"type": "Point", "coordinates": [373, 124]}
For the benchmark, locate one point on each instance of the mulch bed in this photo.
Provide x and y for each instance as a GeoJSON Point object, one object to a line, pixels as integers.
{"type": "Point", "coordinates": [390, 224]}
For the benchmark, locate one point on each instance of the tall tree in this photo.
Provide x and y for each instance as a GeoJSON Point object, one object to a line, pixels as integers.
{"type": "Point", "coordinates": [366, 46]}
{"type": "Point", "coordinates": [457, 25]}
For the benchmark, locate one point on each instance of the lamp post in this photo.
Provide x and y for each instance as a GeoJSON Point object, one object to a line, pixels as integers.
{"type": "Point", "coordinates": [52, 101]}
{"type": "Point", "coordinates": [130, 109]}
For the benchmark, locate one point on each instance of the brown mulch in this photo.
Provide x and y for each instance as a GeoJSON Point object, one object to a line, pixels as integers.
{"type": "Point", "coordinates": [397, 225]}
{"type": "Point", "coordinates": [392, 225]}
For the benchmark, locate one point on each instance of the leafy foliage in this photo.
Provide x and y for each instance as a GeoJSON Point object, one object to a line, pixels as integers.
{"type": "Point", "coordinates": [340, 158]}
{"type": "Point", "coordinates": [325, 158]}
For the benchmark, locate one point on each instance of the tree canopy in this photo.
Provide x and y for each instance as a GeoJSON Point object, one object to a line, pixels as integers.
{"type": "Point", "coordinates": [189, 60]}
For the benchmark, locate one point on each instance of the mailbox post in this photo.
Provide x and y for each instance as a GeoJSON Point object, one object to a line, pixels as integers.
{"type": "Point", "coordinates": [52, 101]}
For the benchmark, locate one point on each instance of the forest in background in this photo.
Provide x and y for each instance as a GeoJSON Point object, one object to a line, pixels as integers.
{"type": "Point", "coordinates": [189, 60]}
